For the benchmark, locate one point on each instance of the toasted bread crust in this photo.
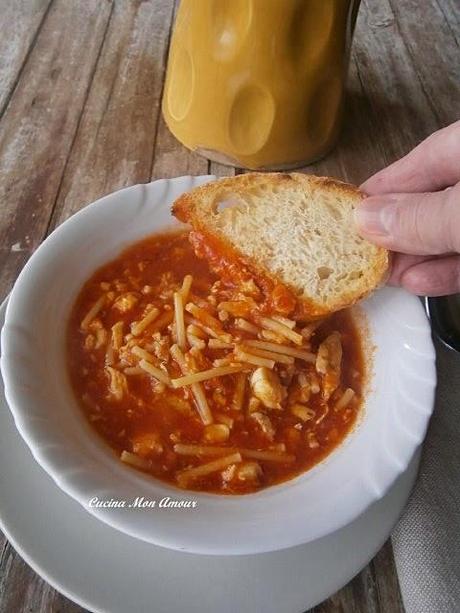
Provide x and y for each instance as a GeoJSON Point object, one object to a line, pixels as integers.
{"type": "Point", "coordinates": [184, 208]}
{"type": "Point", "coordinates": [198, 206]}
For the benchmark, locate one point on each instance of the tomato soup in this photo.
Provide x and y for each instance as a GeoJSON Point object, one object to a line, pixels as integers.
{"type": "Point", "coordinates": [187, 378]}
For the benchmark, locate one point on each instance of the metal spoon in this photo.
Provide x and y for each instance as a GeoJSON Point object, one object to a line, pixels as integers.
{"type": "Point", "coordinates": [444, 313]}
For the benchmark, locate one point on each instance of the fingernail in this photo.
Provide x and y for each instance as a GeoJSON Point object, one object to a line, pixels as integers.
{"type": "Point", "coordinates": [373, 215]}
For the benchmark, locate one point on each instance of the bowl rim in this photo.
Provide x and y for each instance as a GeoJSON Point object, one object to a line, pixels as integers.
{"type": "Point", "coordinates": [76, 490]}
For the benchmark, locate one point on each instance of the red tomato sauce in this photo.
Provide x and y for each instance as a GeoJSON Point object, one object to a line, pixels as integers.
{"type": "Point", "coordinates": [150, 423]}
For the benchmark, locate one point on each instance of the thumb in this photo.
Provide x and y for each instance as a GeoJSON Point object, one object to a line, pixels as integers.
{"type": "Point", "coordinates": [419, 224]}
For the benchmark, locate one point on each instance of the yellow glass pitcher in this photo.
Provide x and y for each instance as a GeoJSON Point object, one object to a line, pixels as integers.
{"type": "Point", "coordinates": [258, 83]}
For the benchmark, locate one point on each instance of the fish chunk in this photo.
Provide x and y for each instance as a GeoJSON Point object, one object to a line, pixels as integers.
{"type": "Point", "coordinates": [266, 386]}
{"type": "Point", "coordinates": [125, 302]}
{"type": "Point", "coordinates": [329, 363]}
{"type": "Point", "coordinates": [264, 423]}
{"type": "Point", "coordinates": [249, 471]}
{"type": "Point", "coordinates": [118, 385]}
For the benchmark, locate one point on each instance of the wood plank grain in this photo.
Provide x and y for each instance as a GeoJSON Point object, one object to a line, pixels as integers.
{"type": "Point", "coordinates": [115, 141]}
{"type": "Point", "coordinates": [374, 590]}
{"type": "Point", "coordinates": [113, 147]}
{"type": "Point", "coordinates": [22, 20]}
{"type": "Point", "coordinates": [398, 93]}
{"type": "Point", "coordinates": [386, 580]}
{"type": "Point", "coordinates": [220, 170]}
{"type": "Point", "coordinates": [451, 12]}
{"type": "Point", "coordinates": [23, 591]}
{"type": "Point", "coordinates": [434, 56]}
{"type": "Point", "coordinates": [38, 127]}
{"type": "Point", "coordinates": [173, 159]}
{"type": "Point", "coordinates": [358, 596]}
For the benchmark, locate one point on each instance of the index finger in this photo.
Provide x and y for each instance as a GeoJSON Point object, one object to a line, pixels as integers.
{"type": "Point", "coordinates": [431, 166]}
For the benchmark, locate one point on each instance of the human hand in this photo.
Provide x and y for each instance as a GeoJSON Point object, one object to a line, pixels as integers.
{"type": "Point", "coordinates": [413, 209]}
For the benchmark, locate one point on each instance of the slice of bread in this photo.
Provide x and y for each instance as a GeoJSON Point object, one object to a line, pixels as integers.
{"type": "Point", "coordinates": [290, 230]}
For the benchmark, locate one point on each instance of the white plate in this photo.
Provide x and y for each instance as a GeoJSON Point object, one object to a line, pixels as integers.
{"type": "Point", "coordinates": [104, 570]}
{"type": "Point", "coordinates": [317, 503]}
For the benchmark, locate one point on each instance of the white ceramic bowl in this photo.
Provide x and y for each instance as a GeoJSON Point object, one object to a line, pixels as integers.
{"type": "Point", "coordinates": [397, 408]}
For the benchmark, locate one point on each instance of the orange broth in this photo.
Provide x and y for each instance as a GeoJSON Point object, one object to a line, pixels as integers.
{"type": "Point", "coordinates": [147, 420]}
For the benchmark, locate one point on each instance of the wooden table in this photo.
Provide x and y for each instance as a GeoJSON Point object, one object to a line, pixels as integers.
{"type": "Point", "coordinates": [80, 92]}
